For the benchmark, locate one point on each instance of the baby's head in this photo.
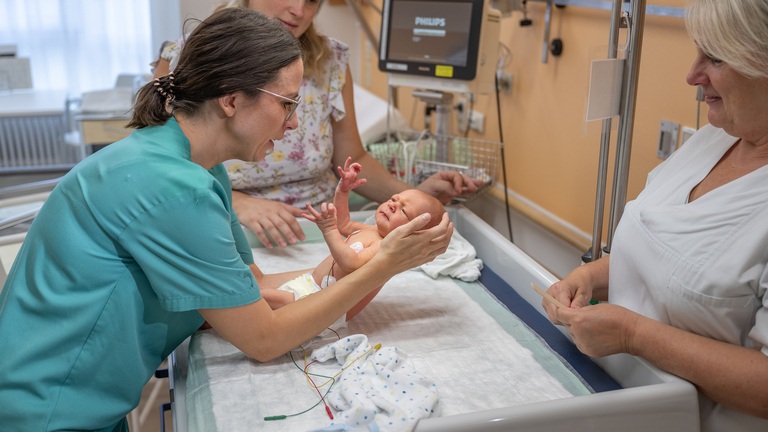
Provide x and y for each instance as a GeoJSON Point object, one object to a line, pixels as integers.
{"type": "Point", "coordinates": [403, 207]}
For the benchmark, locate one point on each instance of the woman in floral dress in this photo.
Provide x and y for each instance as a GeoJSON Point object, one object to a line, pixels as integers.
{"type": "Point", "coordinates": [269, 195]}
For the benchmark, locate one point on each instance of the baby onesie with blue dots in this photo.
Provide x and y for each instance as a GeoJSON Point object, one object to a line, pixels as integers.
{"type": "Point", "coordinates": [378, 389]}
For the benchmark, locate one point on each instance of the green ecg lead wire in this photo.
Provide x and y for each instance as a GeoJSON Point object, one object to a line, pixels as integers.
{"type": "Point", "coordinates": [283, 417]}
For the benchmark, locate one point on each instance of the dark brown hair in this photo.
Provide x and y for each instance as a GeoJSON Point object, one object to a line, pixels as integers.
{"type": "Point", "coordinates": [233, 50]}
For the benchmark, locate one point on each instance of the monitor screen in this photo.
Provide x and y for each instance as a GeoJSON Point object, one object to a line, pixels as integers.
{"type": "Point", "coordinates": [435, 38]}
{"type": "Point", "coordinates": [422, 32]}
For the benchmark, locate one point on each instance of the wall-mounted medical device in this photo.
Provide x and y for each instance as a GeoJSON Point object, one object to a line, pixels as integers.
{"type": "Point", "coordinates": [446, 45]}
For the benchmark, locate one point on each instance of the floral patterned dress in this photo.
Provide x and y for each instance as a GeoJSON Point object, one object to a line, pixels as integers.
{"type": "Point", "coordinates": [300, 169]}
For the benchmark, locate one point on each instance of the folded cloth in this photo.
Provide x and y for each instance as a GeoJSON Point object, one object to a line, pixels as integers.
{"type": "Point", "coordinates": [457, 262]}
{"type": "Point", "coordinates": [379, 388]}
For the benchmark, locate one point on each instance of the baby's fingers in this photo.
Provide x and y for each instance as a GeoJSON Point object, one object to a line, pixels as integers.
{"type": "Point", "coordinates": [311, 209]}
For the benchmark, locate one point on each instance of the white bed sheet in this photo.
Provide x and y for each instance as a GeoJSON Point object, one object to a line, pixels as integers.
{"type": "Point", "coordinates": [449, 338]}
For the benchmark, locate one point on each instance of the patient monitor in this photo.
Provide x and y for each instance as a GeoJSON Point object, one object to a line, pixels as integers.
{"type": "Point", "coordinates": [444, 45]}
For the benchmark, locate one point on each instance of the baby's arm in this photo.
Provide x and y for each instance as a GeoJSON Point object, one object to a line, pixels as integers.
{"type": "Point", "coordinates": [353, 263]}
{"type": "Point", "coordinates": [347, 259]}
{"type": "Point", "coordinates": [363, 257]}
{"type": "Point", "coordinates": [347, 181]}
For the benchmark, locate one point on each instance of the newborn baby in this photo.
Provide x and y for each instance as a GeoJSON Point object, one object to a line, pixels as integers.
{"type": "Point", "coordinates": [353, 244]}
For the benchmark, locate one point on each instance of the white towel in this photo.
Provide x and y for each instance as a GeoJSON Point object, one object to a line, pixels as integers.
{"type": "Point", "coordinates": [379, 389]}
{"type": "Point", "coordinates": [457, 262]}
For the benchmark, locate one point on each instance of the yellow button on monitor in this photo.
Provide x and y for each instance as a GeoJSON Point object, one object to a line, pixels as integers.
{"type": "Point", "coordinates": [444, 71]}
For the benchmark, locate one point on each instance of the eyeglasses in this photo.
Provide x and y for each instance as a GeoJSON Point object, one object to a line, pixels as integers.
{"type": "Point", "coordinates": [294, 103]}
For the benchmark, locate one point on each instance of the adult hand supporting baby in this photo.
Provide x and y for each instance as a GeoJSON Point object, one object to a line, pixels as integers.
{"type": "Point", "coordinates": [406, 247]}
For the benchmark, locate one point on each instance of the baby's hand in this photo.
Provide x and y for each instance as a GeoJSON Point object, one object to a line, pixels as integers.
{"type": "Point", "coordinates": [348, 176]}
{"type": "Point", "coordinates": [325, 219]}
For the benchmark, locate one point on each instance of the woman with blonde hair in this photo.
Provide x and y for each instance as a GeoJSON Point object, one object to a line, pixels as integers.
{"type": "Point", "coordinates": [269, 195]}
{"type": "Point", "coordinates": [687, 276]}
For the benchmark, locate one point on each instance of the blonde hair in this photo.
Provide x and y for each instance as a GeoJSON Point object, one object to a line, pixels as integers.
{"type": "Point", "coordinates": [314, 45]}
{"type": "Point", "coordinates": [434, 208]}
{"type": "Point", "coordinates": [734, 31]}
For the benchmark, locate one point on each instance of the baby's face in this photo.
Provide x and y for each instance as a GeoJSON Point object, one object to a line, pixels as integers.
{"type": "Point", "coordinates": [400, 209]}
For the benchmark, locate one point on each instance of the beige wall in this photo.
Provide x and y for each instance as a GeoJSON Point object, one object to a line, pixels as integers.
{"type": "Point", "coordinates": [549, 161]}
{"type": "Point", "coordinates": [197, 9]}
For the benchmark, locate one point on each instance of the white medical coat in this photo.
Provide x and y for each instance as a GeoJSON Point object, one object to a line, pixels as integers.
{"type": "Point", "coordinates": [699, 266]}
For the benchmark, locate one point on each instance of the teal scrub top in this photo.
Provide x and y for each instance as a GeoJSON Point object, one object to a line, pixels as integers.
{"type": "Point", "coordinates": [108, 281]}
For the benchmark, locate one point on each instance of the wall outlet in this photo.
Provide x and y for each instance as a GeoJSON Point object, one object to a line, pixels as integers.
{"type": "Point", "coordinates": [667, 139]}
{"type": "Point", "coordinates": [505, 83]}
{"type": "Point", "coordinates": [477, 121]}
{"type": "Point", "coordinates": [462, 114]}
{"type": "Point", "coordinates": [463, 119]}
{"type": "Point", "coordinates": [686, 133]}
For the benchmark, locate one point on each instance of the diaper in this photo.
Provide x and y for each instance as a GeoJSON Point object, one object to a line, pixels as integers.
{"type": "Point", "coordinates": [302, 286]}
{"type": "Point", "coordinates": [305, 285]}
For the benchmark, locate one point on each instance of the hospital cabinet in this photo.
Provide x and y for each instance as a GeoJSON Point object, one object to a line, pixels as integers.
{"type": "Point", "coordinates": [100, 130]}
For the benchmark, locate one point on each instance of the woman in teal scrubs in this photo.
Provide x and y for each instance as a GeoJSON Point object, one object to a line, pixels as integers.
{"type": "Point", "coordinates": [138, 244]}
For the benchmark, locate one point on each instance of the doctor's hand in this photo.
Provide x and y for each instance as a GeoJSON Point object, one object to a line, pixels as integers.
{"type": "Point", "coordinates": [446, 185]}
{"type": "Point", "coordinates": [602, 329]}
{"type": "Point", "coordinates": [265, 216]}
{"type": "Point", "coordinates": [408, 246]}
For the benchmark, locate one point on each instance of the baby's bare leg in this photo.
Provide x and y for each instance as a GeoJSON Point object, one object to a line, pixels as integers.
{"type": "Point", "coordinates": [362, 303]}
{"type": "Point", "coordinates": [275, 298]}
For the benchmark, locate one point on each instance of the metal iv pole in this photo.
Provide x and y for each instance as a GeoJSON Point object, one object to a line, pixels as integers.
{"type": "Point", "coordinates": [635, 23]}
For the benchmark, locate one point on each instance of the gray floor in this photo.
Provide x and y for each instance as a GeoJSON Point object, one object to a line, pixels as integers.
{"type": "Point", "coordinates": [152, 421]}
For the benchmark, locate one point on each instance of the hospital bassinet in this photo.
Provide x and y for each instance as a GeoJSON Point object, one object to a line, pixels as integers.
{"type": "Point", "coordinates": [649, 399]}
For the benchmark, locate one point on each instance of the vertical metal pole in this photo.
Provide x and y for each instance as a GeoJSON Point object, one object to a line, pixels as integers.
{"type": "Point", "coordinates": [390, 89]}
{"type": "Point", "coordinates": [443, 127]}
{"type": "Point", "coordinates": [443, 103]}
{"type": "Point", "coordinates": [624, 146]}
{"type": "Point", "coordinates": [547, 19]}
{"type": "Point", "coordinates": [605, 142]}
